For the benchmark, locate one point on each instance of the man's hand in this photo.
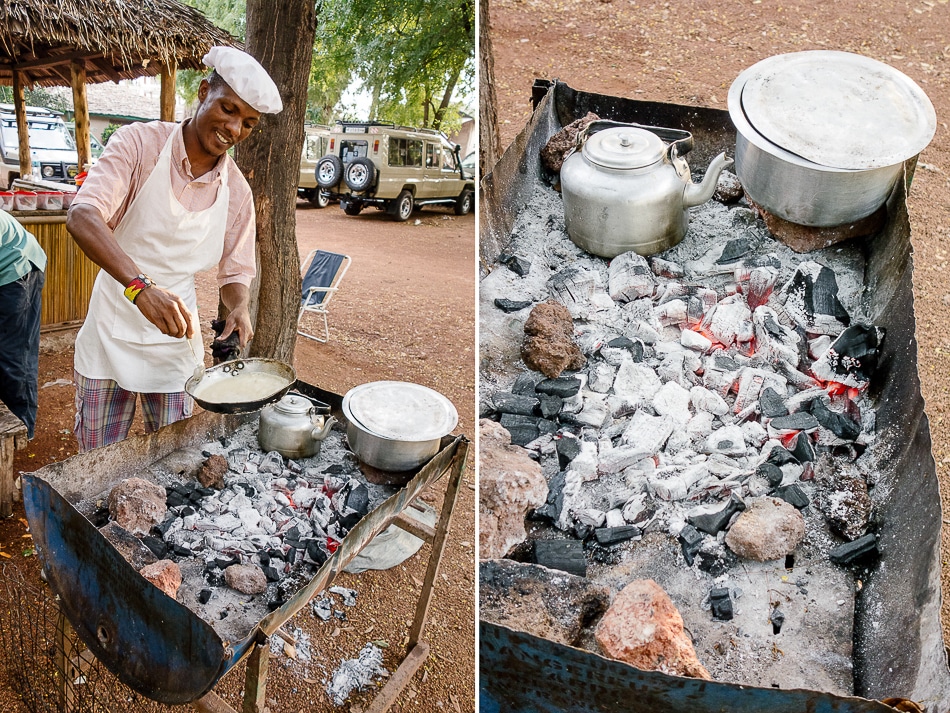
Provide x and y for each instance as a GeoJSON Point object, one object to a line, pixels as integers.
{"type": "Point", "coordinates": [236, 298]}
{"type": "Point", "coordinates": [167, 311]}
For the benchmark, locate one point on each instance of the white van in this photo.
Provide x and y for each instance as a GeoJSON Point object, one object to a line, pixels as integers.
{"type": "Point", "coordinates": [52, 149]}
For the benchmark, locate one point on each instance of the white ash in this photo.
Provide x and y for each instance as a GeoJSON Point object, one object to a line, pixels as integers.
{"type": "Point", "coordinates": [356, 674]}
{"type": "Point", "coordinates": [692, 403]}
{"type": "Point", "coordinates": [300, 647]}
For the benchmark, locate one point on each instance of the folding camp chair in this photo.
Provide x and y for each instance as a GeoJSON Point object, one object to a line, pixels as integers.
{"type": "Point", "coordinates": [321, 280]}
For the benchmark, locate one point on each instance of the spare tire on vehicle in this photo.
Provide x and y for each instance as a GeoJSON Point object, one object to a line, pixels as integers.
{"type": "Point", "coordinates": [360, 174]}
{"type": "Point", "coordinates": [329, 171]}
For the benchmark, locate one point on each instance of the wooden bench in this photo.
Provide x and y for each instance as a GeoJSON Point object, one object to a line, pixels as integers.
{"type": "Point", "coordinates": [12, 438]}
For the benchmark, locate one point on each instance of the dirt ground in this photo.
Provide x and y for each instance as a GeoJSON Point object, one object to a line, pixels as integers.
{"type": "Point", "coordinates": [405, 311]}
{"type": "Point", "coordinates": [690, 51]}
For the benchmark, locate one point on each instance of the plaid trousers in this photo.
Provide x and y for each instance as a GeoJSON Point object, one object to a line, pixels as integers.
{"type": "Point", "coordinates": [104, 411]}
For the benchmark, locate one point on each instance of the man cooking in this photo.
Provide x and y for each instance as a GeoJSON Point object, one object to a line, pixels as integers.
{"type": "Point", "coordinates": [163, 203]}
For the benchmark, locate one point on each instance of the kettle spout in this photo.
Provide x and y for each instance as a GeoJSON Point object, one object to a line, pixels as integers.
{"type": "Point", "coordinates": [320, 432]}
{"type": "Point", "coordinates": [698, 193]}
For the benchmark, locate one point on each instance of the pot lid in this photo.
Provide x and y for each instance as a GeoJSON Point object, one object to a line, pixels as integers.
{"type": "Point", "coordinates": [624, 147]}
{"type": "Point", "coordinates": [838, 109]}
{"type": "Point", "coordinates": [400, 411]}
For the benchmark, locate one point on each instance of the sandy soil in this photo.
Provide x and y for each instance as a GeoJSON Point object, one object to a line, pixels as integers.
{"type": "Point", "coordinates": [689, 52]}
{"type": "Point", "coordinates": [405, 312]}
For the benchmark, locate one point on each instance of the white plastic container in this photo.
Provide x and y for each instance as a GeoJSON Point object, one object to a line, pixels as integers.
{"type": "Point", "coordinates": [49, 200]}
{"type": "Point", "coordinates": [6, 200]}
{"type": "Point", "coordinates": [24, 200]}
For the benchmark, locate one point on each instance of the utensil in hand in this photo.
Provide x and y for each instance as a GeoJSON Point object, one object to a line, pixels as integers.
{"type": "Point", "coordinates": [199, 362]}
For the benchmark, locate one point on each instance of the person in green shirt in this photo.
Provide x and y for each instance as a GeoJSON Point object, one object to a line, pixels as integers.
{"type": "Point", "coordinates": [22, 274]}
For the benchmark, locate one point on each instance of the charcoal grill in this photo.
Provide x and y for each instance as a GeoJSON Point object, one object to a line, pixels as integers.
{"type": "Point", "coordinates": [898, 644]}
{"type": "Point", "coordinates": [152, 643]}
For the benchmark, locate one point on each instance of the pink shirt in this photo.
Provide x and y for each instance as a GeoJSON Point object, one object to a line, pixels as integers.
{"type": "Point", "coordinates": [132, 152]}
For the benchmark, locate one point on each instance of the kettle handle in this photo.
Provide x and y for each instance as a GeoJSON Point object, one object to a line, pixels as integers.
{"type": "Point", "coordinates": [318, 406]}
{"type": "Point", "coordinates": [680, 141]}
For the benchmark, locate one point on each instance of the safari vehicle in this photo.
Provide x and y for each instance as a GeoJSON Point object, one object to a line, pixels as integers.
{"type": "Point", "coordinates": [314, 146]}
{"type": "Point", "coordinates": [52, 149]}
{"type": "Point", "coordinates": [393, 168]}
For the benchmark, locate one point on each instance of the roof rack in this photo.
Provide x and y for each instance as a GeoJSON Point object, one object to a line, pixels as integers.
{"type": "Point", "coordinates": [391, 125]}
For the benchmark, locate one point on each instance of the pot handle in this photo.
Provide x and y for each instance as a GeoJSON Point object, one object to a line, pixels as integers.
{"type": "Point", "coordinates": [680, 141]}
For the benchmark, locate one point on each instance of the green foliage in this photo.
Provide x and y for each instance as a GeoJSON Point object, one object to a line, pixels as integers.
{"type": "Point", "coordinates": [40, 96]}
{"type": "Point", "coordinates": [108, 131]}
{"type": "Point", "coordinates": [229, 15]}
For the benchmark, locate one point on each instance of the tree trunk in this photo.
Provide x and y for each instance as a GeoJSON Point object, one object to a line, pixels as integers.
{"type": "Point", "coordinates": [280, 35]}
{"type": "Point", "coordinates": [489, 140]}
{"type": "Point", "coordinates": [446, 99]}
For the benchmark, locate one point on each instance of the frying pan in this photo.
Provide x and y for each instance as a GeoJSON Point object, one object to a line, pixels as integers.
{"type": "Point", "coordinates": [236, 369]}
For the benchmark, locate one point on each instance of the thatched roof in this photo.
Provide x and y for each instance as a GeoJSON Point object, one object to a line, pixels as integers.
{"type": "Point", "coordinates": [119, 39]}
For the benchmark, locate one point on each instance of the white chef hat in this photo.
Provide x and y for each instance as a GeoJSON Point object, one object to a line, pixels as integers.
{"type": "Point", "coordinates": [246, 77]}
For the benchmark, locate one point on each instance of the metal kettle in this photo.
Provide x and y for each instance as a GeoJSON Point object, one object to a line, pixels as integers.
{"type": "Point", "coordinates": [627, 189]}
{"type": "Point", "coordinates": [293, 427]}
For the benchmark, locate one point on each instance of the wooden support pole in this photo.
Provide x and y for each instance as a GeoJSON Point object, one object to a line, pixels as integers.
{"type": "Point", "coordinates": [167, 96]}
{"type": "Point", "coordinates": [23, 131]}
{"type": "Point", "coordinates": [438, 546]}
{"type": "Point", "coordinates": [81, 110]}
{"type": "Point", "coordinates": [211, 702]}
{"type": "Point", "coordinates": [400, 679]}
{"type": "Point", "coordinates": [255, 682]}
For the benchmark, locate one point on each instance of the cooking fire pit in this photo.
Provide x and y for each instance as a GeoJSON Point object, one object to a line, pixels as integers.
{"type": "Point", "coordinates": [175, 651]}
{"type": "Point", "coordinates": [878, 622]}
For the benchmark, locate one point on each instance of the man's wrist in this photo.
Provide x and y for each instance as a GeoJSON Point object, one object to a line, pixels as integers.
{"type": "Point", "coordinates": [136, 285]}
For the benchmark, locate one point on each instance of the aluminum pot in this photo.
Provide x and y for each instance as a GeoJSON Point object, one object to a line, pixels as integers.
{"type": "Point", "coordinates": [803, 191]}
{"type": "Point", "coordinates": [230, 374]}
{"type": "Point", "coordinates": [627, 189]}
{"type": "Point", "coordinates": [396, 426]}
{"type": "Point", "coordinates": [294, 427]}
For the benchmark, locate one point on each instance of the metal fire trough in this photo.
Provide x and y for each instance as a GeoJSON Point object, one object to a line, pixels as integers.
{"type": "Point", "coordinates": [151, 642]}
{"type": "Point", "coordinates": [898, 644]}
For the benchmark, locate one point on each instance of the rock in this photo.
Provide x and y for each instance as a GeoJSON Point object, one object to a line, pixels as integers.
{"type": "Point", "coordinates": [558, 146]}
{"type": "Point", "coordinates": [136, 505]}
{"type": "Point", "coordinates": [768, 529]}
{"type": "Point", "coordinates": [644, 629]}
{"type": "Point", "coordinates": [728, 188]}
{"type": "Point", "coordinates": [246, 578]}
{"type": "Point", "coordinates": [549, 341]}
{"type": "Point", "coordinates": [510, 485]}
{"type": "Point", "coordinates": [211, 473]}
{"type": "Point", "coordinates": [804, 239]}
{"type": "Point", "coordinates": [165, 575]}
{"type": "Point", "coordinates": [842, 496]}
{"type": "Point", "coordinates": [133, 550]}
{"type": "Point", "coordinates": [527, 597]}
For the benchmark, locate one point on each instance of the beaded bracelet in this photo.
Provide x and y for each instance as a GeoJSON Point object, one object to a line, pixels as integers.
{"type": "Point", "coordinates": [138, 283]}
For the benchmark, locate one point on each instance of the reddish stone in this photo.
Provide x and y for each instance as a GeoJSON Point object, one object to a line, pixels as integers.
{"type": "Point", "coordinates": [510, 484]}
{"type": "Point", "coordinates": [768, 529]}
{"type": "Point", "coordinates": [136, 505]}
{"type": "Point", "coordinates": [549, 340]}
{"type": "Point", "coordinates": [165, 575]}
{"type": "Point", "coordinates": [804, 239]}
{"type": "Point", "coordinates": [559, 145]}
{"type": "Point", "coordinates": [644, 629]}
{"type": "Point", "coordinates": [246, 578]}
{"type": "Point", "coordinates": [211, 473]}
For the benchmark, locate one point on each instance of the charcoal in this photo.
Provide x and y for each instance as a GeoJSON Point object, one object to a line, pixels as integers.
{"type": "Point", "coordinates": [583, 530]}
{"type": "Point", "coordinates": [349, 520]}
{"type": "Point", "coordinates": [224, 441]}
{"type": "Point", "coordinates": [186, 511]}
{"type": "Point", "coordinates": [158, 546]}
{"type": "Point", "coordinates": [101, 517]}
{"type": "Point", "coordinates": [713, 522]}
{"type": "Point", "coordinates": [563, 386]}
{"type": "Point", "coordinates": [271, 574]}
{"type": "Point", "coordinates": [564, 555]}
{"type": "Point", "coordinates": [525, 383]}
{"type": "Point", "coordinates": [506, 402]}
{"type": "Point", "coordinates": [800, 421]}
{"type": "Point", "coordinates": [205, 492]}
{"type": "Point", "coordinates": [780, 456]}
{"type": "Point", "coordinates": [275, 604]}
{"type": "Point", "coordinates": [204, 596]}
{"type": "Point", "coordinates": [223, 614]}
{"type": "Point", "coordinates": [550, 405]}
{"type": "Point", "coordinates": [225, 562]}
{"type": "Point", "coordinates": [508, 306]}
{"type": "Point", "coordinates": [771, 404]}
{"type": "Point", "coordinates": [264, 558]}
{"type": "Point", "coordinates": [733, 250]}
{"type": "Point", "coordinates": [721, 603]}
{"type": "Point", "coordinates": [275, 554]}
{"type": "Point", "coordinates": [666, 268]}
{"type": "Point", "coordinates": [838, 423]}
{"type": "Point", "coordinates": [551, 510]}
{"type": "Point", "coordinates": [179, 551]}
{"type": "Point", "coordinates": [173, 500]}
{"type": "Point", "coordinates": [336, 469]}
{"type": "Point", "coordinates": [316, 552]}
{"type": "Point", "coordinates": [613, 535]}
{"type": "Point", "coordinates": [524, 429]}
{"type": "Point", "coordinates": [358, 498]}
{"type": "Point", "coordinates": [322, 608]}
{"type": "Point", "coordinates": [777, 618]}
{"type": "Point", "coordinates": [568, 447]}
{"type": "Point", "coordinates": [771, 473]}
{"type": "Point", "coordinates": [801, 447]}
{"type": "Point", "coordinates": [207, 454]}
{"type": "Point", "coordinates": [862, 549]}
{"type": "Point", "coordinates": [518, 265]}
{"type": "Point", "coordinates": [852, 358]}
{"type": "Point", "coordinates": [812, 300]}
{"type": "Point", "coordinates": [182, 489]}
{"type": "Point", "coordinates": [248, 490]}
{"type": "Point", "coordinates": [717, 564]}
{"type": "Point", "coordinates": [793, 495]}
{"type": "Point", "coordinates": [725, 363]}
{"type": "Point", "coordinates": [691, 539]}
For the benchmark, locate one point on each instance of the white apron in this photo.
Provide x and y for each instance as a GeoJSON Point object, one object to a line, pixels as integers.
{"type": "Point", "coordinates": [169, 244]}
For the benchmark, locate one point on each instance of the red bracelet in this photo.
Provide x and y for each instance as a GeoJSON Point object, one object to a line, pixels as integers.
{"type": "Point", "coordinates": [135, 287]}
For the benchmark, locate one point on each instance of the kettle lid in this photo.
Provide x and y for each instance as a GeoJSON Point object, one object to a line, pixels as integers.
{"type": "Point", "coordinates": [624, 147]}
{"type": "Point", "coordinates": [291, 403]}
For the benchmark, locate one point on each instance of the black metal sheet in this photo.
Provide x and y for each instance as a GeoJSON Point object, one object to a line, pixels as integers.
{"type": "Point", "coordinates": [148, 640]}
